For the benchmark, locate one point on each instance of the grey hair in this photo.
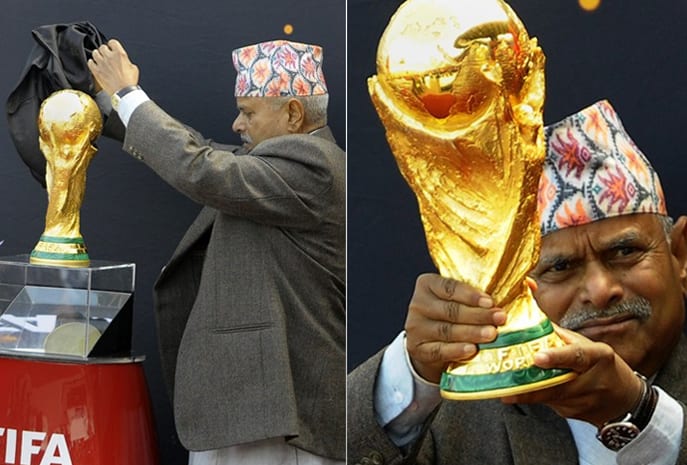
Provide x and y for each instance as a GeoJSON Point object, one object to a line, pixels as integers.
{"type": "Point", "coordinates": [314, 106]}
{"type": "Point", "coordinates": [667, 223]}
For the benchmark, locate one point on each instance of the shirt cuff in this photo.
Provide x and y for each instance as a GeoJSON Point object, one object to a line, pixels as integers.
{"type": "Point", "coordinates": [659, 443]}
{"type": "Point", "coordinates": [129, 103]}
{"type": "Point", "coordinates": [403, 400]}
{"type": "Point", "coordinates": [394, 388]}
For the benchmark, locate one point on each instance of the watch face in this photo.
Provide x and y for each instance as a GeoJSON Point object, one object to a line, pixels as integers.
{"type": "Point", "coordinates": [114, 100]}
{"type": "Point", "coordinates": [617, 435]}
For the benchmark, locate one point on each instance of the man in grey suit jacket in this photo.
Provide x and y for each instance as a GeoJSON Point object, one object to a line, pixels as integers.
{"type": "Point", "coordinates": [250, 307]}
{"type": "Point", "coordinates": [612, 274]}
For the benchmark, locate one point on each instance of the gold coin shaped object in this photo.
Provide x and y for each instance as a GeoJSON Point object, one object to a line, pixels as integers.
{"type": "Point", "coordinates": [72, 339]}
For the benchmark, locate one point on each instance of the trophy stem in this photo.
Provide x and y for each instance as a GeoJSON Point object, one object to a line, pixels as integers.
{"type": "Point", "coordinates": [505, 366]}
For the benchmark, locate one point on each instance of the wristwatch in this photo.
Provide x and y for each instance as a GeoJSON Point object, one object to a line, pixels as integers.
{"type": "Point", "coordinates": [618, 433]}
{"type": "Point", "coordinates": [117, 96]}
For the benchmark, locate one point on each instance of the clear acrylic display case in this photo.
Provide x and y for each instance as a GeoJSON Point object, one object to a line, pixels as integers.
{"type": "Point", "coordinates": [66, 313]}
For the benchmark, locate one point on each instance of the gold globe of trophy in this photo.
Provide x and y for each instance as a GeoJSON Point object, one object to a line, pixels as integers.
{"type": "Point", "coordinates": [68, 123]}
{"type": "Point", "coordinates": [460, 91]}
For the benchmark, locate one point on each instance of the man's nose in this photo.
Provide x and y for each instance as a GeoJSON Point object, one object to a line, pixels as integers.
{"type": "Point", "coordinates": [237, 125]}
{"type": "Point", "coordinates": [601, 286]}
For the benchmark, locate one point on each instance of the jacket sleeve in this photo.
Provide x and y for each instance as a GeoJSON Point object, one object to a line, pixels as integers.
{"type": "Point", "coordinates": [367, 442]}
{"type": "Point", "coordinates": [282, 181]}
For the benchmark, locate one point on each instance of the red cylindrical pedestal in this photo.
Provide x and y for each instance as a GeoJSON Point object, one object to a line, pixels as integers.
{"type": "Point", "coordinates": [75, 413]}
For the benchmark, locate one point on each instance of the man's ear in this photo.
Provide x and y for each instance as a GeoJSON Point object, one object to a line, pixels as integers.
{"type": "Point", "coordinates": [678, 247]}
{"type": "Point", "coordinates": [296, 121]}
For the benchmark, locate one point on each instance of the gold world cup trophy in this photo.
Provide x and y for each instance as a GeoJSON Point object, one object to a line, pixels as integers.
{"type": "Point", "coordinates": [68, 123]}
{"type": "Point", "coordinates": [460, 91]}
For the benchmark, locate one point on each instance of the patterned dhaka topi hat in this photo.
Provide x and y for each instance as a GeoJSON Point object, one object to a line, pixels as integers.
{"type": "Point", "coordinates": [593, 170]}
{"type": "Point", "coordinates": [279, 68]}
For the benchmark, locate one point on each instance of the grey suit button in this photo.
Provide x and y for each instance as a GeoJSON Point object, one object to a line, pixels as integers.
{"type": "Point", "coordinates": [135, 153]}
{"type": "Point", "coordinates": [373, 458]}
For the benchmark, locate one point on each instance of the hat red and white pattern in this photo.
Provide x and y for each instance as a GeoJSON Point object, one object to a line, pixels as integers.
{"type": "Point", "coordinates": [593, 171]}
{"type": "Point", "coordinates": [279, 68]}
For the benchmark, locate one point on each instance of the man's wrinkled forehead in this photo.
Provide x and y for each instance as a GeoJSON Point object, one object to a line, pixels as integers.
{"type": "Point", "coordinates": [601, 236]}
{"type": "Point", "coordinates": [251, 103]}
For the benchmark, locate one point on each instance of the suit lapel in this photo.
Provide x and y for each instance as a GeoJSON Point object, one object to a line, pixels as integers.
{"type": "Point", "coordinates": [200, 225]}
{"type": "Point", "coordinates": [672, 375]}
{"type": "Point", "coordinates": [671, 378]}
{"type": "Point", "coordinates": [539, 437]}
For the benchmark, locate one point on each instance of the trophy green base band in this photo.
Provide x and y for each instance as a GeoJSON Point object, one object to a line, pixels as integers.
{"type": "Point", "coordinates": [62, 251]}
{"type": "Point", "coordinates": [505, 367]}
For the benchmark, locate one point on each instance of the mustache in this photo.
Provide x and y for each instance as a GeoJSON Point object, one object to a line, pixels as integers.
{"type": "Point", "coordinates": [245, 138]}
{"type": "Point", "coordinates": [638, 307]}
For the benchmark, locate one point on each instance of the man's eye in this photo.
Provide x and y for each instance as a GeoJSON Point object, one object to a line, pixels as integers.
{"type": "Point", "coordinates": [626, 250]}
{"type": "Point", "coordinates": [560, 266]}
{"type": "Point", "coordinates": [556, 271]}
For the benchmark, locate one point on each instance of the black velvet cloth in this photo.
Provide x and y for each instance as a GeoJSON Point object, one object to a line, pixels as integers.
{"type": "Point", "coordinates": [57, 61]}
